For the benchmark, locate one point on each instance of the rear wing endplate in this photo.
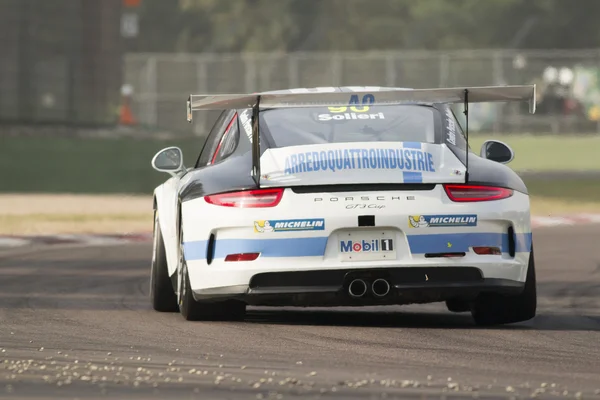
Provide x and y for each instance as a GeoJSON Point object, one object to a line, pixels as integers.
{"type": "Point", "coordinates": [324, 97]}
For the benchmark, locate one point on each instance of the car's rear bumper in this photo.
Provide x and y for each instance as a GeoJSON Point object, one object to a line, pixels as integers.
{"type": "Point", "coordinates": [330, 287]}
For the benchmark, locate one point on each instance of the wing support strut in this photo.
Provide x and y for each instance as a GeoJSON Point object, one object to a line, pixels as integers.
{"type": "Point", "coordinates": [256, 142]}
{"type": "Point", "coordinates": [466, 112]}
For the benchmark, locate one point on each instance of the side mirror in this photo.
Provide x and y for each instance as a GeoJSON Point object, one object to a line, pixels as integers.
{"type": "Point", "coordinates": [169, 160]}
{"type": "Point", "coordinates": [497, 151]}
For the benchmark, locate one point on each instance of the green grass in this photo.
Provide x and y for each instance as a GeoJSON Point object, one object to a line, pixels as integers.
{"type": "Point", "coordinates": [549, 153]}
{"type": "Point", "coordinates": [584, 190]}
{"type": "Point", "coordinates": [74, 165]}
{"type": "Point", "coordinates": [563, 196]}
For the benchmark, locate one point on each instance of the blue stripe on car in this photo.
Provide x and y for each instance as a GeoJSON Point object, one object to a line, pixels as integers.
{"type": "Point", "coordinates": [412, 177]}
{"type": "Point", "coordinates": [315, 246]}
{"type": "Point", "coordinates": [195, 250]}
{"type": "Point", "coordinates": [412, 145]}
{"type": "Point", "coordinates": [294, 247]}
{"type": "Point", "coordinates": [460, 242]}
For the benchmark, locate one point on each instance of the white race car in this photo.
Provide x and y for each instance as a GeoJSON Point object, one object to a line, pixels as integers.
{"type": "Point", "coordinates": [348, 196]}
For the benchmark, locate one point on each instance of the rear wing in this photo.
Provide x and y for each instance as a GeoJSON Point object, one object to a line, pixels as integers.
{"type": "Point", "coordinates": [384, 96]}
{"type": "Point", "coordinates": [324, 97]}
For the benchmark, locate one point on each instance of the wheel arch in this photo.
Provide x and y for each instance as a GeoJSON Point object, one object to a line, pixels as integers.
{"type": "Point", "coordinates": [162, 204]}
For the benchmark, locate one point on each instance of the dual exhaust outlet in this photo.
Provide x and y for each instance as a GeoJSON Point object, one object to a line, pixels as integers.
{"type": "Point", "coordinates": [358, 288]}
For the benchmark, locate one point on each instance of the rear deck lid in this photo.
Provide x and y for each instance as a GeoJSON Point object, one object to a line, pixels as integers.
{"type": "Point", "coordinates": [360, 163]}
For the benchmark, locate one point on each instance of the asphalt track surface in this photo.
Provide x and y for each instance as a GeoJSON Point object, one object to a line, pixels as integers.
{"type": "Point", "coordinates": [75, 322]}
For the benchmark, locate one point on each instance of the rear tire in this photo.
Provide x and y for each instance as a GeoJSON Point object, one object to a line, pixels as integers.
{"type": "Point", "coordinates": [193, 310]}
{"type": "Point", "coordinates": [458, 306]}
{"type": "Point", "coordinates": [495, 309]}
{"type": "Point", "coordinates": [162, 295]}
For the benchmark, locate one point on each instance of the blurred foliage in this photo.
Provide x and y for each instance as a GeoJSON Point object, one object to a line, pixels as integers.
{"type": "Point", "coordinates": [311, 25]}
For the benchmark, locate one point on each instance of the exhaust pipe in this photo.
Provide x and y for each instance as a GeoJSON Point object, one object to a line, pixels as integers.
{"type": "Point", "coordinates": [357, 288]}
{"type": "Point", "coordinates": [380, 287]}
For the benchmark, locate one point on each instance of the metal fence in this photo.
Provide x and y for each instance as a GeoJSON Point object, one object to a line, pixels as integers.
{"type": "Point", "coordinates": [161, 82]}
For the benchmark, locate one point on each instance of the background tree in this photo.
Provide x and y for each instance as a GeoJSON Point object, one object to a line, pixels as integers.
{"type": "Point", "coordinates": [338, 25]}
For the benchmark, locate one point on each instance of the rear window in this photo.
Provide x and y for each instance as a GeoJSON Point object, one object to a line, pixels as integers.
{"type": "Point", "coordinates": [322, 125]}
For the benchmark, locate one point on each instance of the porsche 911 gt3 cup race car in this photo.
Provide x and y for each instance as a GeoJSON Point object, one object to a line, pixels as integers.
{"type": "Point", "coordinates": [348, 196]}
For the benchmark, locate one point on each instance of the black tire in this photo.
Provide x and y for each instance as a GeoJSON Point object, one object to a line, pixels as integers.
{"type": "Point", "coordinates": [495, 309]}
{"type": "Point", "coordinates": [162, 295]}
{"type": "Point", "coordinates": [193, 310]}
{"type": "Point", "coordinates": [458, 306]}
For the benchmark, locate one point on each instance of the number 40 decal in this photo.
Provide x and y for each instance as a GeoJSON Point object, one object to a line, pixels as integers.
{"type": "Point", "coordinates": [367, 99]}
{"type": "Point", "coordinates": [357, 105]}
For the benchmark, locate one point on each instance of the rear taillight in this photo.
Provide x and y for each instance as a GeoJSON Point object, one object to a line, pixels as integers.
{"type": "Point", "coordinates": [247, 199]}
{"type": "Point", "coordinates": [241, 257]}
{"type": "Point", "coordinates": [483, 250]}
{"type": "Point", "coordinates": [466, 193]}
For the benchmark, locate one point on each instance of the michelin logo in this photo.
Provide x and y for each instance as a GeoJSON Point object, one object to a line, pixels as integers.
{"type": "Point", "coordinates": [426, 221]}
{"type": "Point", "coordinates": [289, 225]}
